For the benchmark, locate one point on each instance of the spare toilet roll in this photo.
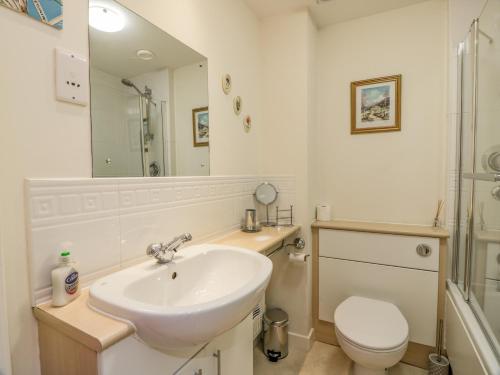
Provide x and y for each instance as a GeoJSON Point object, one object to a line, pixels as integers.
{"type": "Point", "coordinates": [298, 257]}
{"type": "Point", "coordinates": [323, 212]}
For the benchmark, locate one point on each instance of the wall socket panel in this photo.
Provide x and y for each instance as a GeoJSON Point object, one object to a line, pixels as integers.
{"type": "Point", "coordinates": [72, 77]}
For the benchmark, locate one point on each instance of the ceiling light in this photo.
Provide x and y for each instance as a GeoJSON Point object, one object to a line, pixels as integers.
{"type": "Point", "coordinates": [105, 19]}
{"type": "Point", "coordinates": [145, 54]}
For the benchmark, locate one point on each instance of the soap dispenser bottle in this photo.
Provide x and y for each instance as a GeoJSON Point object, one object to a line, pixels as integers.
{"type": "Point", "coordinates": [65, 281]}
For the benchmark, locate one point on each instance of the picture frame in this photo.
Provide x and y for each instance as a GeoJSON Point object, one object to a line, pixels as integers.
{"type": "Point", "coordinates": [376, 105]}
{"type": "Point", "coordinates": [200, 127]}
{"type": "Point", "coordinates": [49, 12]}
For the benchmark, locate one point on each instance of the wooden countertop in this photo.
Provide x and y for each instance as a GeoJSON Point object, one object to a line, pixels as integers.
{"type": "Point", "coordinates": [78, 321]}
{"type": "Point", "coordinates": [98, 331]}
{"type": "Point", "coordinates": [401, 229]}
{"type": "Point", "coordinates": [261, 241]}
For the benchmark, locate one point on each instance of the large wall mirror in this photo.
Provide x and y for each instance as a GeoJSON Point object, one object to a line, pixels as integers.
{"type": "Point", "coordinates": [149, 98]}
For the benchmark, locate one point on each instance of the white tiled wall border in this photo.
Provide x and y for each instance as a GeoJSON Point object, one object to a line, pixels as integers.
{"type": "Point", "coordinates": [108, 222]}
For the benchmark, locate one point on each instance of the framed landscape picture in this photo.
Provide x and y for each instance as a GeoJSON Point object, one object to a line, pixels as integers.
{"type": "Point", "coordinates": [200, 127]}
{"type": "Point", "coordinates": [376, 105]}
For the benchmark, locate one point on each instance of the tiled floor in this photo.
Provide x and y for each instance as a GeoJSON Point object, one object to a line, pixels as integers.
{"type": "Point", "coordinates": [322, 359]}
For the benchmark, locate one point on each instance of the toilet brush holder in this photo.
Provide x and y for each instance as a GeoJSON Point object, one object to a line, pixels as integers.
{"type": "Point", "coordinates": [438, 364]}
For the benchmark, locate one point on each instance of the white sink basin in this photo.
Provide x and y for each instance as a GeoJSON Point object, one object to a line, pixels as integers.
{"type": "Point", "coordinates": [205, 291]}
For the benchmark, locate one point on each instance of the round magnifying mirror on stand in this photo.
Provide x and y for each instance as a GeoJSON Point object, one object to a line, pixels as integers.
{"type": "Point", "coordinates": [266, 194]}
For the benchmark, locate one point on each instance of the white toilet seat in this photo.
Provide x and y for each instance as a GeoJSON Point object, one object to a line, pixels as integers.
{"type": "Point", "coordinates": [369, 350]}
{"type": "Point", "coordinates": [373, 333]}
{"type": "Point", "coordinates": [371, 324]}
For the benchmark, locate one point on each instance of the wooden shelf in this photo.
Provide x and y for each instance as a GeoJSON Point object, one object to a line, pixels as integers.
{"type": "Point", "coordinates": [84, 325]}
{"type": "Point", "coordinates": [399, 229]}
{"type": "Point", "coordinates": [261, 241]}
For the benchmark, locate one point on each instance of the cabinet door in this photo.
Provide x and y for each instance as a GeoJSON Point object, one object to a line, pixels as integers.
{"type": "Point", "coordinates": [236, 349]}
{"type": "Point", "coordinates": [203, 364]}
{"type": "Point", "coordinates": [413, 291]}
{"type": "Point", "coordinates": [392, 250]}
{"type": "Point", "coordinates": [131, 357]}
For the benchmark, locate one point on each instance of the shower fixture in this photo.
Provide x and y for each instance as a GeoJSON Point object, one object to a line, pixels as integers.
{"type": "Point", "coordinates": [147, 135]}
{"type": "Point", "coordinates": [129, 83]}
{"type": "Point", "coordinates": [148, 94]}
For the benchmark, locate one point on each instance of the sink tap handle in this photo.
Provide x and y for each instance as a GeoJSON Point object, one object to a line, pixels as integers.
{"type": "Point", "coordinates": [154, 249]}
{"type": "Point", "coordinates": [177, 241]}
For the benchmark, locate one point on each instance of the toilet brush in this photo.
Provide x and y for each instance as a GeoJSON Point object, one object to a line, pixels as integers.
{"type": "Point", "coordinates": [438, 363]}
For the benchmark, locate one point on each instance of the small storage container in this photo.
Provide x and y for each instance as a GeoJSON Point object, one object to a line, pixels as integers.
{"type": "Point", "coordinates": [275, 334]}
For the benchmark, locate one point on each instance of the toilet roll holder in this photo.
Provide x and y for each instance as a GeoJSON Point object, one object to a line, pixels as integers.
{"type": "Point", "coordinates": [298, 243]}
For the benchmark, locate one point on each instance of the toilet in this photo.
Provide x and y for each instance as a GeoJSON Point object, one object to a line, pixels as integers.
{"type": "Point", "coordinates": [373, 333]}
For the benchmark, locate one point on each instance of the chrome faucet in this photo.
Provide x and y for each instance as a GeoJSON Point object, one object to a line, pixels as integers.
{"type": "Point", "coordinates": [165, 252]}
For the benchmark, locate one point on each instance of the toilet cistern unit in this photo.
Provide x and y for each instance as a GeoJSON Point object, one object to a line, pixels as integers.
{"type": "Point", "coordinates": [373, 333]}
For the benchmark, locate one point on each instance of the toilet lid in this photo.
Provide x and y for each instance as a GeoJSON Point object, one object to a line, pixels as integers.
{"type": "Point", "coordinates": [371, 324]}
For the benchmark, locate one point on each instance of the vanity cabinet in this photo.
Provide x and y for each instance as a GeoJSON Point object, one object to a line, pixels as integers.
{"type": "Point", "coordinates": [403, 265]}
{"type": "Point", "coordinates": [61, 354]}
{"type": "Point", "coordinates": [231, 353]}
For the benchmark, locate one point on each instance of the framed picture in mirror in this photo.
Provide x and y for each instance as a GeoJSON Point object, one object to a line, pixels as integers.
{"type": "Point", "coordinates": [200, 127]}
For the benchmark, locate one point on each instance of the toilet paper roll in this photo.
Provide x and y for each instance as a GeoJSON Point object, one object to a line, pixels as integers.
{"type": "Point", "coordinates": [297, 257]}
{"type": "Point", "coordinates": [323, 212]}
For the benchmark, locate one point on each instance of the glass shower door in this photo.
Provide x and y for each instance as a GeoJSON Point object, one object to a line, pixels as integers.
{"type": "Point", "coordinates": [464, 163]}
{"type": "Point", "coordinates": [485, 256]}
{"type": "Point", "coordinates": [477, 236]}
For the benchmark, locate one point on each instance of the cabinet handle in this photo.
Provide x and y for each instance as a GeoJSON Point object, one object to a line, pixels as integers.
{"type": "Point", "coordinates": [217, 355]}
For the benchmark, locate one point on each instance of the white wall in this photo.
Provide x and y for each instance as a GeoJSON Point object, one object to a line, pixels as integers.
{"type": "Point", "coordinates": [44, 138]}
{"type": "Point", "coordinates": [5, 367]}
{"type": "Point", "coordinates": [288, 48]}
{"type": "Point", "coordinates": [40, 137]}
{"type": "Point", "coordinates": [190, 92]}
{"type": "Point", "coordinates": [385, 177]}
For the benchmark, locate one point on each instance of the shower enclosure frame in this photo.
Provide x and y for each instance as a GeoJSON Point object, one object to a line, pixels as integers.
{"type": "Point", "coordinates": [458, 203]}
{"type": "Point", "coordinates": [469, 245]}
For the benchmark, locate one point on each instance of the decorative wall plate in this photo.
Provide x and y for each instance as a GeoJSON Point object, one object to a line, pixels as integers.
{"type": "Point", "coordinates": [227, 83]}
{"type": "Point", "coordinates": [237, 103]}
{"type": "Point", "coordinates": [247, 123]}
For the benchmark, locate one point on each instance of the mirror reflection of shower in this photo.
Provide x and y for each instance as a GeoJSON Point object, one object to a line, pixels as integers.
{"type": "Point", "coordinates": [150, 168]}
{"type": "Point", "coordinates": [143, 94]}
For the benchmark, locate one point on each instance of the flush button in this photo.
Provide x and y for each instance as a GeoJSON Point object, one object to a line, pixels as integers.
{"type": "Point", "coordinates": [424, 250]}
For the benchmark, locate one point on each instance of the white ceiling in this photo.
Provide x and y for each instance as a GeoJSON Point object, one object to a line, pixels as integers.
{"type": "Point", "coordinates": [327, 13]}
{"type": "Point", "coordinates": [115, 53]}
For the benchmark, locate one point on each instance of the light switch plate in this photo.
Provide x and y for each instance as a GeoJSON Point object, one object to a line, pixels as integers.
{"type": "Point", "coordinates": [72, 77]}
